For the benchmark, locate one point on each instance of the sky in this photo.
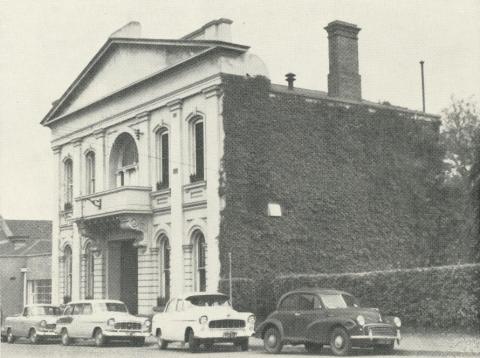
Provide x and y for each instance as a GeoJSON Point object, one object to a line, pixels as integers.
{"type": "Point", "coordinates": [45, 45]}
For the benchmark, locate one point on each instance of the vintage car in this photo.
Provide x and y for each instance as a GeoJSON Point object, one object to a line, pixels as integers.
{"type": "Point", "coordinates": [37, 322]}
{"type": "Point", "coordinates": [202, 318]}
{"type": "Point", "coordinates": [102, 320]}
{"type": "Point", "coordinates": [317, 317]}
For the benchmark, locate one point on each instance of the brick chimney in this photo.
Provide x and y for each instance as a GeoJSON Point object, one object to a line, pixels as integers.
{"type": "Point", "coordinates": [343, 80]}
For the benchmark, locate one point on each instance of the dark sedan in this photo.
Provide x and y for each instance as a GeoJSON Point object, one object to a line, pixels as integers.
{"type": "Point", "coordinates": [317, 317]}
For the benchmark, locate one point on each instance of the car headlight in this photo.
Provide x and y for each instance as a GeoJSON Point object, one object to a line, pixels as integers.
{"type": "Point", "coordinates": [147, 323]}
{"type": "Point", "coordinates": [43, 323]}
{"type": "Point", "coordinates": [251, 319]}
{"type": "Point", "coordinates": [397, 322]}
{"type": "Point", "coordinates": [203, 319]}
{"type": "Point", "coordinates": [361, 320]}
{"type": "Point", "coordinates": [111, 322]}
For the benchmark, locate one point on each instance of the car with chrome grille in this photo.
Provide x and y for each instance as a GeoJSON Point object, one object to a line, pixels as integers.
{"type": "Point", "coordinates": [202, 319]}
{"type": "Point", "coordinates": [36, 322]}
{"type": "Point", "coordinates": [316, 317]}
{"type": "Point", "coordinates": [103, 321]}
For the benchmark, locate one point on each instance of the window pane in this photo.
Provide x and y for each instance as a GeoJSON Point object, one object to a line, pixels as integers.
{"type": "Point", "coordinates": [199, 170]}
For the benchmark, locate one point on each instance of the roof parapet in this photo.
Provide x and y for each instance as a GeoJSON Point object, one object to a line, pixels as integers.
{"type": "Point", "coordinates": [131, 30]}
{"type": "Point", "coordinates": [214, 30]}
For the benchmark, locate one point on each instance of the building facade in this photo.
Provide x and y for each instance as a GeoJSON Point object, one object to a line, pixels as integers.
{"type": "Point", "coordinates": [25, 257]}
{"type": "Point", "coordinates": [164, 149]}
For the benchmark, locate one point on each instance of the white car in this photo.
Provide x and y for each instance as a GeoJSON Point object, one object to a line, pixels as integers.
{"type": "Point", "coordinates": [37, 322]}
{"type": "Point", "coordinates": [202, 318]}
{"type": "Point", "coordinates": [102, 320]}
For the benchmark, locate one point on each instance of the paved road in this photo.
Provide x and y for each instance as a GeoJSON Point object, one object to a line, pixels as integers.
{"type": "Point", "coordinates": [427, 346]}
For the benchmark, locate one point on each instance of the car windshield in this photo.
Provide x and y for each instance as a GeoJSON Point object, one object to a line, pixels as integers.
{"type": "Point", "coordinates": [111, 307]}
{"type": "Point", "coordinates": [207, 300]}
{"type": "Point", "coordinates": [339, 301]}
{"type": "Point", "coordinates": [44, 310]}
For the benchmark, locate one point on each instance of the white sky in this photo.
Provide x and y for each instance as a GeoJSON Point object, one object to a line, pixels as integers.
{"type": "Point", "coordinates": [45, 44]}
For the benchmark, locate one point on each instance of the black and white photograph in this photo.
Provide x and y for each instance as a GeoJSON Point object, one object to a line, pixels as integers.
{"type": "Point", "coordinates": [239, 178]}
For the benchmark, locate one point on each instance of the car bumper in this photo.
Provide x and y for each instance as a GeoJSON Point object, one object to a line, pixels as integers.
{"type": "Point", "coordinates": [371, 337]}
{"type": "Point", "coordinates": [52, 334]}
{"type": "Point", "coordinates": [226, 334]}
{"type": "Point", "coordinates": [125, 334]}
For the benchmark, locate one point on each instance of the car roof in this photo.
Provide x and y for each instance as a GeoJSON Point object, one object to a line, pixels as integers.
{"type": "Point", "coordinates": [190, 294]}
{"type": "Point", "coordinates": [325, 291]}
{"type": "Point", "coordinates": [94, 301]}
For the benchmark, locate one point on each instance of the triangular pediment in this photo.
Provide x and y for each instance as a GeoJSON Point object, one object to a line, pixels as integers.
{"type": "Point", "coordinates": [120, 65]}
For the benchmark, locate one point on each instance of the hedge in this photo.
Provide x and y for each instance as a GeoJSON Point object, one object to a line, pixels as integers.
{"type": "Point", "coordinates": [434, 297]}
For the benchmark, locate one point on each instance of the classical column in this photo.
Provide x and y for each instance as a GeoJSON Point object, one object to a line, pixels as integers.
{"type": "Point", "coordinates": [56, 224]}
{"type": "Point", "coordinates": [176, 198]}
{"type": "Point", "coordinates": [213, 141]}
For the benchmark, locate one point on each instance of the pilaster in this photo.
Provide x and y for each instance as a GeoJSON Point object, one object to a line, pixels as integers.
{"type": "Point", "coordinates": [176, 198]}
{"type": "Point", "coordinates": [56, 224]}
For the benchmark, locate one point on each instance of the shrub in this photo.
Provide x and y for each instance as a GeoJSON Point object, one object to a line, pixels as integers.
{"type": "Point", "coordinates": [434, 297]}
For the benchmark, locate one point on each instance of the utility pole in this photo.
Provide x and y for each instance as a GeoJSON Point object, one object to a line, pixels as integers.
{"type": "Point", "coordinates": [230, 277]}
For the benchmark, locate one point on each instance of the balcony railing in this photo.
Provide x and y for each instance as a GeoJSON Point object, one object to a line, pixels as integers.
{"type": "Point", "coordinates": [125, 199]}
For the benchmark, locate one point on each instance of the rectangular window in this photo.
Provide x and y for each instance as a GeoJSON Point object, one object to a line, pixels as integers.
{"type": "Point", "coordinates": [199, 169]}
{"type": "Point", "coordinates": [40, 291]}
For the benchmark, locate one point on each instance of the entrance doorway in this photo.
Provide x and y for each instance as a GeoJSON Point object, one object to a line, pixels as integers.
{"type": "Point", "coordinates": [123, 273]}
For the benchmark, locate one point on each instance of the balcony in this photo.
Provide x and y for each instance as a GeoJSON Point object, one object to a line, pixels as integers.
{"type": "Point", "coordinates": [122, 200]}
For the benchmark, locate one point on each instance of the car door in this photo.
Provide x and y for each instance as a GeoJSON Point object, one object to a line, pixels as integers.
{"type": "Point", "coordinates": [287, 314]}
{"type": "Point", "coordinates": [74, 329]}
{"type": "Point", "coordinates": [84, 321]}
{"type": "Point", "coordinates": [19, 323]}
{"type": "Point", "coordinates": [311, 310]}
{"type": "Point", "coordinates": [179, 320]}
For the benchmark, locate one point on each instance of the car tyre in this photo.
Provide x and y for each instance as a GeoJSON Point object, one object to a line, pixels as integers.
{"type": "Point", "coordinates": [313, 347]}
{"type": "Point", "coordinates": [243, 344]}
{"type": "Point", "coordinates": [384, 348]}
{"type": "Point", "coordinates": [100, 339]}
{"type": "Point", "coordinates": [193, 343]}
{"type": "Point", "coordinates": [33, 336]}
{"type": "Point", "coordinates": [138, 341]}
{"type": "Point", "coordinates": [10, 336]}
{"type": "Point", "coordinates": [66, 340]}
{"type": "Point", "coordinates": [340, 342]}
{"type": "Point", "coordinates": [162, 344]}
{"type": "Point", "coordinates": [272, 341]}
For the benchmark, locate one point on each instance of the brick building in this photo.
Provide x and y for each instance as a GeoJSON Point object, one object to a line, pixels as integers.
{"type": "Point", "coordinates": [25, 257]}
{"type": "Point", "coordinates": [169, 154]}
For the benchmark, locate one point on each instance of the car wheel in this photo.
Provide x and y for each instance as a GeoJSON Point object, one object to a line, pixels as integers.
{"type": "Point", "coordinates": [10, 336]}
{"type": "Point", "coordinates": [33, 336]}
{"type": "Point", "coordinates": [162, 344]}
{"type": "Point", "coordinates": [243, 344]}
{"type": "Point", "coordinates": [313, 347]}
{"type": "Point", "coordinates": [272, 341]}
{"type": "Point", "coordinates": [100, 339]}
{"type": "Point", "coordinates": [193, 343]}
{"type": "Point", "coordinates": [65, 337]}
{"type": "Point", "coordinates": [384, 348]}
{"type": "Point", "coordinates": [138, 341]}
{"type": "Point", "coordinates": [340, 343]}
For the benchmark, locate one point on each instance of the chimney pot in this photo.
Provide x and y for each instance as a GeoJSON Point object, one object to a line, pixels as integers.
{"type": "Point", "coordinates": [344, 79]}
{"type": "Point", "coordinates": [290, 78]}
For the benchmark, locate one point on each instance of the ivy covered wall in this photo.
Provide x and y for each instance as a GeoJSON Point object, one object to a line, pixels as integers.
{"type": "Point", "coordinates": [357, 187]}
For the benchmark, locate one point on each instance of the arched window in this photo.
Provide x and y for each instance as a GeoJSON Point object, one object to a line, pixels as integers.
{"type": "Point", "coordinates": [89, 271]}
{"type": "Point", "coordinates": [199, 251]}
{"type": "Point", "coordinates": [68, 184]}
{"type": "Point", "coordinates": [123, 161]}
{"type": "Point", "coordinates": [164, 266]}
{"type": "Point", "coordinates": [90, 172]}
{"type": "Point", "coordinates": [162, 155]}
{"type": "Point", "coordinates": [67, 269]}
{"type": "Point", "coordinates": [197, 148]}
